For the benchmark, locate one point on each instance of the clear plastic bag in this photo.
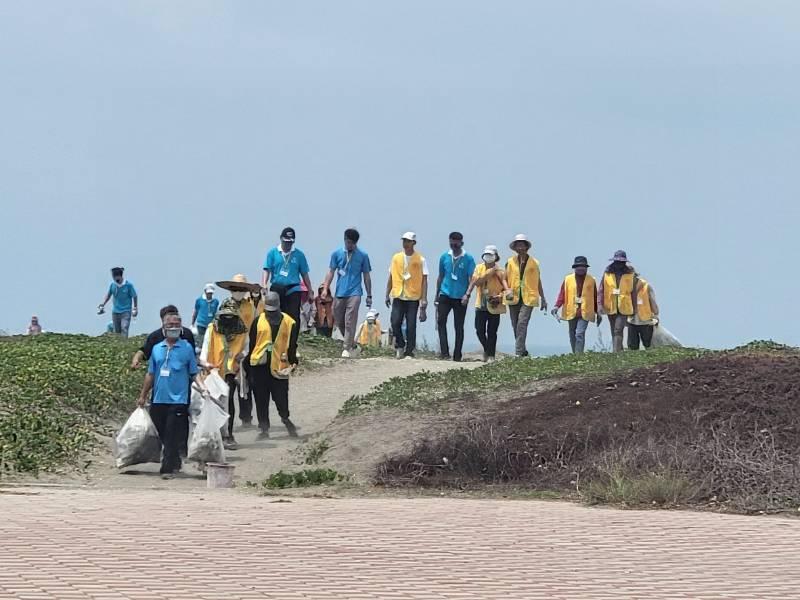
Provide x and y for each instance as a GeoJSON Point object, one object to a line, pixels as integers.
{"type": "Point", "coordinates": [137, 442]}
{"type": "Point", "coordinates": [205, 444]}
{"type": "Point", "coordinates": [662, 338]}
{"type": "Point", "coordinates": [216, 386]}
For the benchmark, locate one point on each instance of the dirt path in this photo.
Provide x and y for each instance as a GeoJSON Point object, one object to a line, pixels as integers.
{"type": "Point", "coordinates": [314, 401]}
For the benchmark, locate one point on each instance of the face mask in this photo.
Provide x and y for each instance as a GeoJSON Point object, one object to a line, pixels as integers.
{"type": "Point", "coordinates": [238, 296]}
{"type": "Point", "coordinates": [489, 259]}
{"type": "Point", "coordinates": [172, 333]}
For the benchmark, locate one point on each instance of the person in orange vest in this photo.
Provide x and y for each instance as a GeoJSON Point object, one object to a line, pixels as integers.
{"type": "Point", "coordinates": [577, 301]}
{"type": "Point", "coordinates": [527, 293]}
{"type": "Point", "coordinates": [271, 359]}
{"type": "Point", "coordinates": [226, 344]}
{"type": "Point", "coordinates": [615, 296]}
{"type": "Point", "coordinates": [490, 280]}
{"type": "Point", "coordinates": [407, 294]}
{"type": "Point", "coordinates": [645, 318]}
{"type": "Point", "coordinates": [369, 334]}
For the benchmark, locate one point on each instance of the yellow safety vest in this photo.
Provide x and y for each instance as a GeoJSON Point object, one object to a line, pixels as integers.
{"type": "Point", "coordinates": [407, 283]}
{"type": "Point", "coordinates": [492, 287]}
{"type": "Point", "coordinates": [247, 312]}
{"type": "Point", "coordinates": [526, 286]}
{"type": "Point", "coordinates": [588, 296]}
{"type": "Point", "coordinates": [370, 335]}
{"type": "Point", "coordinates": [222, 353]}
{"type": "Point", "coordinates": [621, 302]}
{"type": "Point", "coordinates": [644, 311]}
{"type": "Point", "coordinates": [278, 346]}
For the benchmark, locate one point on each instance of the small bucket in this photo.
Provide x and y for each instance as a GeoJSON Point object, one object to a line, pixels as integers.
{"type": "Point", "coordinates": [219, 475]}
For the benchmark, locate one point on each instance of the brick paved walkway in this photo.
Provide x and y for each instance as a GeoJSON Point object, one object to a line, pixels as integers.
{"type": "Point", "coordinates": [102, 544]}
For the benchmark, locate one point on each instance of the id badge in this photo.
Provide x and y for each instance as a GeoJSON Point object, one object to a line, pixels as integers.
{"type": "Point", "coordinates": [578, 301]}
{"type": "Point", "coordinates": [283, 273]}
{"type": "Point", "coordinates": [639, 301]}
{"type": "Point", "coordinates": [406, 276]}
{"type": "Point", "coordinates": [616, 292]}
{"type": "Point", "coordinates": [342, 272]}
{"type": "Point", "coordinates": [164, 372]}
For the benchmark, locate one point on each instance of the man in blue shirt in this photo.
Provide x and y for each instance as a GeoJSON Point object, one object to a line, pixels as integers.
{"type": "Point", "coordinates": [126, 302]}
{"type": "Point", "coordinates": [284, 267]}
{"type": "Point", "coordinates": [455, 271]}
{"type": "Point", "coordinates": [349, 264]}
{"type": "Point", "coordinates": [171, 370]}
{"type": "Point", "coordinates": [205, 308]}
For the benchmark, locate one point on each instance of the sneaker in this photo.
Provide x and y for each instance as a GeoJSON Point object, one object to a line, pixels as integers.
{"type": "Point", "coordinates": [410, 355]}
{"type": "Point", "coordinates": [168, 476]}
{"type": "Point", "coordinates": [399, 353]}
{"type": "Point", "coordinates": [345, 354]}
{"type": "Point", "coordinates": [290, 428]}
{"type": "Point", "coordinates": [491, 359]}
{"type": "Point", "coordinates": [444, 357]}
{"type": "Point", "coordinates": [230, 444]}
{"type": "Point", "coordinates": [263, 435]}
{"type": "Point", "coordinates": [457, 359]}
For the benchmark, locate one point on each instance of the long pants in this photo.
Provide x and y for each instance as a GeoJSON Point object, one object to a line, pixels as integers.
{"type": "Point", "coordinates": [617, 324]}
{"type": "Point", "coordinates": [520, 317]}
{"type": "Point", "coordinates": [231, 380]}
{"type": "Point", "coordinates": [201, 333]}
{"type": "Point", "coordinates": [290, 304]}
{"type": "Point", "coordinates": [447, 304]}
{"type": "Point", "coordinates": [122, 323]}
{"type": "Point", "coordinates": [486, 325]}
{"type": "Point", "coordinates": [265, 386]}
{"type": "Point", "coordinates": [246, 395]}
{"type": "Point", "coordinates": [405, 310]}
{"type": "Point", "coordinates": [172, 423]}
{"type": "Point", "coordinates": [577, 334]}
{"type": "Point", "coordinates": [345, 315]}
{"type": "Point", "coordinates": [637, 333]}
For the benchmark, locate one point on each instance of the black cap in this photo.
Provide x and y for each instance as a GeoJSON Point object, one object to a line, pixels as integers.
{"type": "Point", "coordinates": [287, 235]}
{"type": "Point", "coordinates": [580, 261]}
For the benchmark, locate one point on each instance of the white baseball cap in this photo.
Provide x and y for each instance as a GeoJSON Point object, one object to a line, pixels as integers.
{"type": "Point", "coordinates": [209, 288]}
{"type": "Point", "coordinates": [410, 236]}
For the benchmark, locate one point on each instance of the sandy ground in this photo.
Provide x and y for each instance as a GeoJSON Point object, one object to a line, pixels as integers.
{"type": "Point", "coordinates": [314, 401]}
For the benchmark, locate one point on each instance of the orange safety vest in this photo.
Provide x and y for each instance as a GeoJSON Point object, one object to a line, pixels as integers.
{"type": "Point", "coordinates": [618, 300]}
{"type": "Point", "coordinates": [585, 300]}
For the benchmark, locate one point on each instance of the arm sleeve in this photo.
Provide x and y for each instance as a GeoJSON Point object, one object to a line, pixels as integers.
{"type": "Point", "coordinates": [366, 266]}
{"type": "Point", "coordinates": [333, 264]}
{"type": "Point", "coordinates": [470, 266]}
{"type": "Point", "coordinates": [206, 340]}
{"type": "Point", "coordinates": [193, 363]}
{"type": "Point", "coordinates": [267, 266]}
{"type": "Point", "coordinates": [425, 267]}
{"type": "Point", "coordinates": [133, 292]}
{"type": "Point", "coordinates": [441, 266]}
{"type": "Point", "coordinates": [303, 264]}
{"type": "Point", "coordinates": [151, 365]}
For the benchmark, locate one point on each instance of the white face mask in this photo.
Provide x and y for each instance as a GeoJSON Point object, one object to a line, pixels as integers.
{"type": "Point", "coordinates": [489, 259]}
{"type": "Point", "coordinates": [238, 296]}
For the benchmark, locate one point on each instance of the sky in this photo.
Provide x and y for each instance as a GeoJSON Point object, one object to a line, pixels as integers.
{"type": "Point", "coordinates": [178, 138]}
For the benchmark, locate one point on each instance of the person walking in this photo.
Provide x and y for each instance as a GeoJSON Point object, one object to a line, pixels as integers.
{"type": "Point", "coordinates": [577, 300]}
{"type": "Point", "coordinates": [615, 296]}
{"type": "Point", "coordinates": [349, 265]}
{"type": "Point", "coordinates": [272, 358]}
{"type": "Point", "coordinates": [370, 332]}
{"type": "Point", "coordinates": [158, 336]}
{"type": "Point", "coordinates": [490, 281]}
{"type": "Point", "coordinates": [205, 309]}
{"type": "Point", "coordinates": [456, 268]}
{"type": "Point", "coordinates": [285, 266]}
{"type": "Point", "coordinates": [126, 302]}
{"type": "Point", "coordinates": [226, 344]}
{"type": "Point", "coordinates": [324, 321]}
{"type": "Point", "coordinates": [34, 328]}
{"type": "Point", "coordinates": [527, 293]}
{"type": "Point", "coordinates": [407, 294]}
{"type": "Point", "coordinates": [645, 318]}
{"type": "Point", "coordinates": [171, 369]}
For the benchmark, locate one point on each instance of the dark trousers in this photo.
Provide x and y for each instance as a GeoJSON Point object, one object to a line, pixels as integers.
{"type": "Point", "coordinates": [290, 304]}
{"type": "Point", "coordinates": [231, 380]}
{"type": "Point", "coordinates": [405, 310]}
{"type": "Point", "coordinates": [265, 386]}
{"type": "Point", "coordinates": [172, 423]}
{"type": "Point", "coordinates": [486, 325]}
{"type": "Point", "coordinates": [447, 304]}
{"type": "Point", "coordinates": [636, 333]}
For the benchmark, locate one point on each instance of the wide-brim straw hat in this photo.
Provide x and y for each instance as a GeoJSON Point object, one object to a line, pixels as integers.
{"type": "Point", "coordinates": [238, 283]}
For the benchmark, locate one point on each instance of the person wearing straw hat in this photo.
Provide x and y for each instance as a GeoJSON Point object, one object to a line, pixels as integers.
{"type": "Point", "coordinates": [407, 294]}
{"type": "Point", "coordinates": [524, 279]}
{"type": "Point", "coordinates": [226, 344]}
{"type": "Point", "coordinates": [490, 280]}
{"type": "Point", "coordinates": [615, 296]}
{"type": "Point", "coordinates": [205, 309]}
{"type": "Point", "coordinates": [577, 300]}
{"type": "Point", "coordinates": [271, 359]}
{"type": "Point", "coordinates": [285, 266]}
{"type": "Point", "coordinates": [370, 333]}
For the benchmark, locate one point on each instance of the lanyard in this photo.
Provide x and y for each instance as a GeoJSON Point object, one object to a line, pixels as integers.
{"type": "Point", "coordinates": [287, 258]}
{"type": "Point", "coordinates": [347, 262]}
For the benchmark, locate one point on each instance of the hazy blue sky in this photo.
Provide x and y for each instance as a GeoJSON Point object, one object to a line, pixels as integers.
{"type": "Point", "coordinates": [178, 138]}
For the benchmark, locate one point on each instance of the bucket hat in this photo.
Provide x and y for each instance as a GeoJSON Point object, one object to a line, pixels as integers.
{"type": "Point", "coordinates": [520, 237]}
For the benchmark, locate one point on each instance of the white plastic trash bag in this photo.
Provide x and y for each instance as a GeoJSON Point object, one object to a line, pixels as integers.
{"type": "Point", "coordinates": [216, 386]}
{"type": "Point", "coordinates": [196, 403]}
{"type": "Point", "coordinates": [662, 337]}
{"type": "Point", "coordinates": [205, 444]}
{"type": "Point", "coordinates": [137, 442]}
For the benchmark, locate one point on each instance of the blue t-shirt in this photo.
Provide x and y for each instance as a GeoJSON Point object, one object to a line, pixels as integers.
{"type": "Point", "coordinates": [286, 270]}
{"type": "Point", "coordinates": [206, 309]}
{"type": "Point", "coordinates": [182, 365]}
{"type": "Point", "coordinates": [349, 272]}
{"type": "Point", "coordinates": [462, 267]}
{"type": "Point", "coordinates": [123, 296]}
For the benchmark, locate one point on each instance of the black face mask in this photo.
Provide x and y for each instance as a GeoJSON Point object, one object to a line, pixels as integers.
{"type": "Point", "coordinates": [618, 267]}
